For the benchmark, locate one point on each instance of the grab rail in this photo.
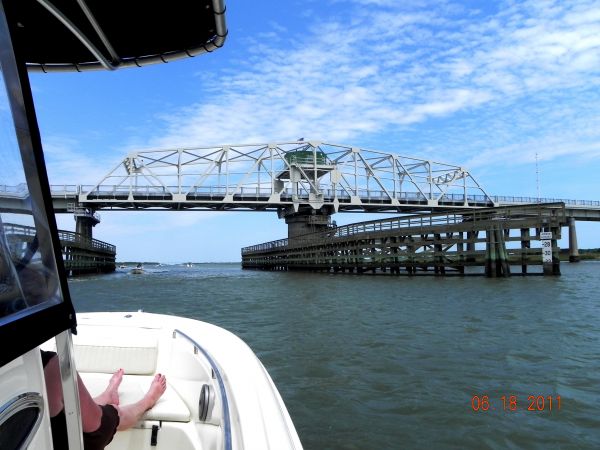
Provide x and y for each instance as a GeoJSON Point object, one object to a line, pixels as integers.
{"type": "Point", "coordinates": [217, 372]}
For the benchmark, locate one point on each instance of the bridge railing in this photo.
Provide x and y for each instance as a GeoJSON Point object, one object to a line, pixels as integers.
{"type": "Point", "coordinates": [568, 202]}
{"type": "Point", "coordinates": [19, 191]}
{"type": "Point", "coordinates": [64, 190]}
{"type": "Point", "coordinates": [121, 192]}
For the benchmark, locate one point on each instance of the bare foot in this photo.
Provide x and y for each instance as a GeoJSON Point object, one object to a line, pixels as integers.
{"type": "Point", "coordinates": [157, 389]}
{"type": "Point", "coordinates": [111, 394]}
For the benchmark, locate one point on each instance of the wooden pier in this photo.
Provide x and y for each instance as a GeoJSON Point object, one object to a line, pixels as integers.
{"type": "Point", "coordinates": [496, 242]}
{"type": "Point", "coordinates": [81, 254]}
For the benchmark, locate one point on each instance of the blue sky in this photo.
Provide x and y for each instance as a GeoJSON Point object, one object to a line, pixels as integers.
{"type": "Point", "coordinates": [485, 85]}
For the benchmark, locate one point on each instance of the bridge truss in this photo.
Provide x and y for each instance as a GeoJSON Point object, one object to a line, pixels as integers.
{"type": "Point", "coordinates": [285, 177]}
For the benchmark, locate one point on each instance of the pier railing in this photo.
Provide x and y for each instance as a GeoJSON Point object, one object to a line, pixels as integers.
{"type": "Point", "coordinates": [90, 243]}
{"type": "Point", "coordinates": [66, 237]}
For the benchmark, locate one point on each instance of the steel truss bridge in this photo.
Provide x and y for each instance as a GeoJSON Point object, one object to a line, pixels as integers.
{"type": "Point", "coordinates": [305, 182]}
{"type": "Point", "coordinates": [290, 178]}
{"type": "Point", "coordinates": [281, 176]}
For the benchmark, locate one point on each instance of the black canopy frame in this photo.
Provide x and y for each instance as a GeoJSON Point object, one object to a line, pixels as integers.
{"type": "Point", "coordinates": [81, 35]}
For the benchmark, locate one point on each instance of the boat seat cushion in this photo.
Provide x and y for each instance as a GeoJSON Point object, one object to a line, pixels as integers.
{"type": "Point", "coordinates": [170, 407]}
{"type": "Point", "coordinates": [136, 353]}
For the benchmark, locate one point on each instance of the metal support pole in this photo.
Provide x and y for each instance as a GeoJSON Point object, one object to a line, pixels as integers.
{"type": "Point", "coordinates": [68, 378]}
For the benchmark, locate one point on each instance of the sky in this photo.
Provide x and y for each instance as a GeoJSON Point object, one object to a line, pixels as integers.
{"type": "Point", "coordinates": [508, 89]}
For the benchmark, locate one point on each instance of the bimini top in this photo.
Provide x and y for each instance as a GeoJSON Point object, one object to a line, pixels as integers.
{"type": "Point", "coordinates": [78, 35]}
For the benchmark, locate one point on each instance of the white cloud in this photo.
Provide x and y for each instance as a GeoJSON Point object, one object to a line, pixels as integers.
{"type": "Point", "coordinates": [66, 163]}
{"type": "Point", "coordinates": [380, 69]}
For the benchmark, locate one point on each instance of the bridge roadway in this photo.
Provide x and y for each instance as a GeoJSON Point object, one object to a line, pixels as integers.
{"type": "Point", "coordinates": [145, 198]}
{"type": "Point", "coordinates": [66, 197]}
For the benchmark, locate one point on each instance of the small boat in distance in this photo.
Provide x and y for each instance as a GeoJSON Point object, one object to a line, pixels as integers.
{"type": "Point", "coordinates": [137, 269]}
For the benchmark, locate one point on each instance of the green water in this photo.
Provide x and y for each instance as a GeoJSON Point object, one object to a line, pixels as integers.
{"type": "Point", "coordinates": [389, 363]}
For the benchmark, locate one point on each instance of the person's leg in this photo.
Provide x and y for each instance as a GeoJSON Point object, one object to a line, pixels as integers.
{"type": "Point", "coordinates": [111, 395]}
{"type": "Point", "coordinates": [90, 411]}
{"type": "Point", "coordinates": [130, 414]}
{"type": "Point", "coordinates": [53, 386]}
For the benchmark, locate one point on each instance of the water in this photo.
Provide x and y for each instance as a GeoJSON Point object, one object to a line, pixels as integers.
{"type": "Point", "coordinates": [394, 362]}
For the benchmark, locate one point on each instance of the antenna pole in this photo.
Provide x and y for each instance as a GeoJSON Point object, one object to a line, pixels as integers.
{"type": "Point", "coordinates": [537, 177]}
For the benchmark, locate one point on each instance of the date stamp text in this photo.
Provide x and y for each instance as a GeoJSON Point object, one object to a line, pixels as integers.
{"type": "Point", "coordinates": [484, 403]}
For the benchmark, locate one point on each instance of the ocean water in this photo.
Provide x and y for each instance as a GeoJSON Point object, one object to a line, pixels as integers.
{"type": "Point", "coordinates": [383, 362]}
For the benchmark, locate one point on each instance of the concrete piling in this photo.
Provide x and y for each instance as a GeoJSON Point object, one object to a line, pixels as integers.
{"type": "Point", "coordinates": [573, 248]}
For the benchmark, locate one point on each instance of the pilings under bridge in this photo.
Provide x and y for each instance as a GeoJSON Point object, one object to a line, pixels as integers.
{"type": "Point", "coordinates": [496, 242]}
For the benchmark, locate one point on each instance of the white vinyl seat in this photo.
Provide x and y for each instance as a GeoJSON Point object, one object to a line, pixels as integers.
{"type": "Point", "coordinates": [170, 407]}
{"type": "Point", "coordinates": [99, 356]}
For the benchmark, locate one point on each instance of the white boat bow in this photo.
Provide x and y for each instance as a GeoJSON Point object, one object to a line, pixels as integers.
{"type": "Point", "coordinates": [219, 395]}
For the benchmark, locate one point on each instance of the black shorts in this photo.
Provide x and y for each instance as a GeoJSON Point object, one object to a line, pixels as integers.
{"type": "Point", "coordinates": [100, 438]}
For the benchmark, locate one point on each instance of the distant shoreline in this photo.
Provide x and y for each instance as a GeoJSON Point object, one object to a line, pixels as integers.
{"type": "Point", "coordinates": [588, 254]}
{"type": "Point", "coordinates": [149, 263]}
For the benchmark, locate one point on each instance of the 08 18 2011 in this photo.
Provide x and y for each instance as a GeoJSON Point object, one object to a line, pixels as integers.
{"type": "Point", "coordinates": [484, 403]}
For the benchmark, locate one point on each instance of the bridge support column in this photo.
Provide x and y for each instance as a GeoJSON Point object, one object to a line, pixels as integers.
{"type": "Point", "coordinates": [573, 248]}
{"type": "Point", "coordinates": [306, 221]}
{"type": "Point", "coordinates": [85, 220]}
{"type": "Point", "coordinates": [303, 224]}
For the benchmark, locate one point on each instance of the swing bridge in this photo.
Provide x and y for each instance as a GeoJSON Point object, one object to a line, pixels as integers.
{"type": "Point", "coordinates": [305, 182]}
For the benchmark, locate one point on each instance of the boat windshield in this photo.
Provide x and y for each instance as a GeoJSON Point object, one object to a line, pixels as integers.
{"type": "Point", "coordinates": [28, 278]}
{"type": "Point", "coordinates": [32, 294]}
